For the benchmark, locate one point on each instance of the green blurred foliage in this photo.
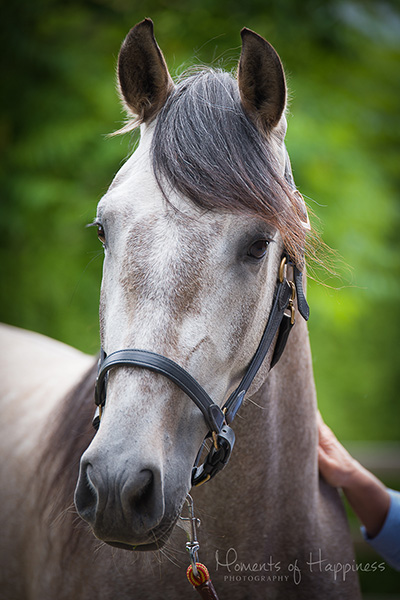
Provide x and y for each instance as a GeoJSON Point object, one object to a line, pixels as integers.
{"type": "Point", "coordinates": [58, 101]}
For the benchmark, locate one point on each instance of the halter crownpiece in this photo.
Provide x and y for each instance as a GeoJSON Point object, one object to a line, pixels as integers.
{"type": "Point", "coordinates": [218, 420]}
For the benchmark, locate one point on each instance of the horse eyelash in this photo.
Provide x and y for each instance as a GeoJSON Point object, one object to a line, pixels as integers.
{"type": "Point", "coordinates": [94, 223]}
{"type": "Point", "coordinates": [97, 223]}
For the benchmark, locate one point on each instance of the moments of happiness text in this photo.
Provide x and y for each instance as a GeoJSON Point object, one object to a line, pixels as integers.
{"type": "Point", "coordinates": [275, 571]}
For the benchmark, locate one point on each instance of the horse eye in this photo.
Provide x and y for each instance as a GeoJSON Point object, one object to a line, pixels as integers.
{"type": "Point", "coordinates": [258, 249]}
{"type": "Point", "coordinates": [100, 233]}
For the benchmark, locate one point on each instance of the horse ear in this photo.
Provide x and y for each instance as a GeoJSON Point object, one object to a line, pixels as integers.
{"type": "Point", "coordinates": [144, 80]}
{"type": "Point", "coordinates": [261, 80]}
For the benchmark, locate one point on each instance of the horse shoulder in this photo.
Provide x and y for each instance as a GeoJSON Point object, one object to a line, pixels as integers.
{"type": "Point", "coordinates": [36, 372]}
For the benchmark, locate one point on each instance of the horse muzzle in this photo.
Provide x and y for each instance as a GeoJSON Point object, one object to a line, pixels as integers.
{"type": "Point", "coordinates": [128, 509]}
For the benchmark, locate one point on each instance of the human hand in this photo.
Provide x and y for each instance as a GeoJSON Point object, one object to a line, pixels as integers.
{"type": "Point", "coordinates": [336, 464]}
{"type": "Point", "coordinates": [367, 495]}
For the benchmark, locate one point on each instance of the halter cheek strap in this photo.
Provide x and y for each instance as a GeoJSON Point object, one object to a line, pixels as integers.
{"type": "Point", "coordinates": [218, 420]}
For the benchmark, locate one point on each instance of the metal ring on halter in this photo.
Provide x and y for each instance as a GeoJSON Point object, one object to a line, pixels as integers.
{"type": "Point", "coordinates": [281, 269]}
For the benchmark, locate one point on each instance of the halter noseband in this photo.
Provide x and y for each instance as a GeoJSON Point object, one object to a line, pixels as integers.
{"type": "Point", "coordinates": [218, 420]}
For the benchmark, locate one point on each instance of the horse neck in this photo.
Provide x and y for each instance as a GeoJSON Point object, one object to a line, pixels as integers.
{"type": "Point", "coordinates": [273, 475]}
{"type": "Point", "coordinates": [286, 429]}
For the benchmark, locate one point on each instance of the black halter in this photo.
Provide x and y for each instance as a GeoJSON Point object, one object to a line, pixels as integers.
{"type": "Point", "coordinates": [218, 420]}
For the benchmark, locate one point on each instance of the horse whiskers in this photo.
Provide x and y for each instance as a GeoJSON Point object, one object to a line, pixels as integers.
{"type": "Point", "coordinates": [57, 518]}
{"type": "Point", "coordinates": [99, 546]}
{"type": "Point", "coordinates": [255, 404]}
{"type": "Point", "coordinates": [168, 553]}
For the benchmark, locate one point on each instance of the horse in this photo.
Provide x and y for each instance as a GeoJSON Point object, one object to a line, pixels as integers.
{"type": "Point", "coordinates": [202, 229]}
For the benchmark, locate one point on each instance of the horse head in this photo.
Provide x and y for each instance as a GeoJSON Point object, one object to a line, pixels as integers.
{"type": "Point", "coordinates": [194, 226]}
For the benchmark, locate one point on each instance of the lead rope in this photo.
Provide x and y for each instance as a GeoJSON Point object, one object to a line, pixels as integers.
{"type": "Point", "coordinates": [197, 573]}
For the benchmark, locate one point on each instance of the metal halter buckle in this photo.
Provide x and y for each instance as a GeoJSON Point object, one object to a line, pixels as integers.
{"type": "Point", "coordinates": [282, 269]}
{"type": "Point", "coordinates": [291, 302]}
{"type": "Point", "coordinates": [216, 459]}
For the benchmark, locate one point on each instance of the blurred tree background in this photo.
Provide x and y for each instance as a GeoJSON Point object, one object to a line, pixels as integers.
{"type": "Point", "coordinates": [58, 101]}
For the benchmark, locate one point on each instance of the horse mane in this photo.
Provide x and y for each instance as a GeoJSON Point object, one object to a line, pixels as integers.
{"type": "Point", "coordinates": [208, 149]}
{"type": "Point", "coordinates": [70, 434]}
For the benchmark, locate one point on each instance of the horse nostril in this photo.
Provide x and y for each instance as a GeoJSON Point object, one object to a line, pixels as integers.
{"type": "Point", "coordinates": [142, 499]}
{"type": "Point", "coordinates": [85, 495]}
{"type": "Point", "coordinates": [137, 492]}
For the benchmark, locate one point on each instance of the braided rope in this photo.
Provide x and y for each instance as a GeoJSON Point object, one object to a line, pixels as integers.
{"type": "Point", "coordinates": [203, 575]}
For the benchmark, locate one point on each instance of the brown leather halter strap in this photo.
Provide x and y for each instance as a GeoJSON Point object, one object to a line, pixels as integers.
{"type": "Point", "coordinates": [207, 590]}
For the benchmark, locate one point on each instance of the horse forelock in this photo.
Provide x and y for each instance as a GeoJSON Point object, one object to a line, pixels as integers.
{"type": "Point", "coordinates": [206, 148]}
